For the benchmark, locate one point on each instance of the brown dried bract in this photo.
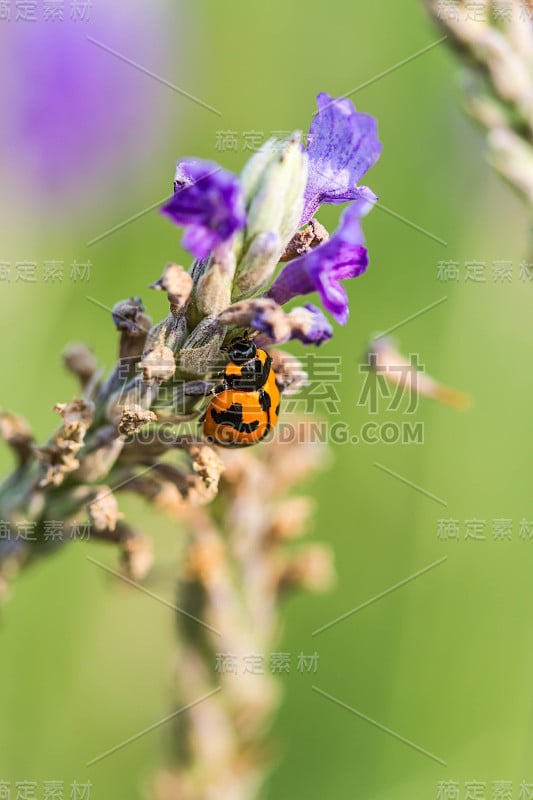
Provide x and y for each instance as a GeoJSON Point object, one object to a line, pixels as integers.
{"type": "Point", "coordinates": [206, 463]}
{"type": "Point", "coordinates": [311, 568]}
{"type": "Point", "coordinates": [289, 518]}
{"type": "Point", "coordinates": [178, 284]}
{"type": "Point", "coordinates": [58, 458]}
{"type": "Point", "coordinates": [273, 317]}
{"type": "Point", "coordinates": [305, 240]}
{"type": "Point", "coordinates": [103, 509]}
{"type": "Point", "coordinates": [133, 419]}
{"type": "Point", "coordinates": [134, 326]}
{"type": "Point", "coordinates": [137, 556]}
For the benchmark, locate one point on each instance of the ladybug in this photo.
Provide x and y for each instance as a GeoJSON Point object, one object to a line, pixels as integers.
{"type": "Point", "coordinates": [245, 407]}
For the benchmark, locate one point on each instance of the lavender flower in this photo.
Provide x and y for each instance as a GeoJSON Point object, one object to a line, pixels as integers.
{"type": "Point", "coordinates": [125, 430]}
{"type": "Point", "coordinates": [321, 270]}
{"type": "Point", "coordinates": [67, 103]}
{"type": "Point", "coordinates": [208, 201]}
{"type": "Point", "coordinates": [342, 146]}
{"type": "Point", "coordinates": [278, 192]}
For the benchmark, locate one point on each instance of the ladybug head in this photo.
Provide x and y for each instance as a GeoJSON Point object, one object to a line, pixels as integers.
{"type": "Point", "coordinates": [242, 349]}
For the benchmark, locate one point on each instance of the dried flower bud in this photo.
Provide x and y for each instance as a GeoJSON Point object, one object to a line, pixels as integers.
{"type": "Point", "coordinates": [198, 487]}
{"type": "Point", "coordinates": [77, 418]}
{"type": "Point", "coordinates": [290, 518]}
{"type": "Point", "coordinates": [178, 285]}
{"type": "Point", "coordinates": [58, 458]}
{"type": "Point", "coordinates": [103, 509]}
{"type": "Point", "coordinates": [312, 569]}
{"type": "Point", "coordinates": [309, 325]}
{"type": "Point", "coordinates": [16, 432]}
{"type": "Point", "coordinates": [158, 365]}
{"type": "Point", "coordinates": [169, 499]}
{"type": "Point", "coordinates": [305, 240]}
{"type": "Point", "coordinates": [133, 419]}
{"type": "Point", "coordinates": [134, 326]}
{"type": "Point", "coordinates": [164, 488]}
{"type": "Point", "coordinates": [206, 462]}
{"type": "Point", "coordinates": [57, 463]}
{"type": "Point", "coordinates": [137, 556]}
{"type": "Point", "coordinates": [200, 493]}
{"type": "Point", "coordinates": [79, 360]}
{"type": "Point", "coordinates": [126, 314]}
{"type": "Point", "coordinates": [260, 313]}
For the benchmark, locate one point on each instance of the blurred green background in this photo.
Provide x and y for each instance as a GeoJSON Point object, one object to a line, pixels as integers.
{"type": "Point", "coordinates": [444, 661]}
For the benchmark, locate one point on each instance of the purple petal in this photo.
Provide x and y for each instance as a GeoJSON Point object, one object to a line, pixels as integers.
{"type": "Point", "coordinates": [208, 202]}
{"type": "Point", "coordinates": [334, 298]}
{"type": "Point", "coordinates": [342, 256]}
{"type": "Point", "coordinates": [342, 146]}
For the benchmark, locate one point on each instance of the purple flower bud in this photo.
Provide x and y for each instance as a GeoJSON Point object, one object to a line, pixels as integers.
{"type": "Point", "coordinates": [321, 270]}
{"type": "Point", "coordinates": [208, 202]}
{"type": "Point", "coordinates": [342, 146]}
{"type": "Point", "coordinates": [309, 325]}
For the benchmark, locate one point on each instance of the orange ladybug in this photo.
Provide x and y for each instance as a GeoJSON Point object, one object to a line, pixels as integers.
{"type": "Point", "coordinates": [245, 407]}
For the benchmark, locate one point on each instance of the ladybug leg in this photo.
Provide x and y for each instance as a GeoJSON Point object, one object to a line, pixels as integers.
{"type": "Point", "coordinates": [186, 390]}
{"type": "Point", "coordinates": [198, 388]}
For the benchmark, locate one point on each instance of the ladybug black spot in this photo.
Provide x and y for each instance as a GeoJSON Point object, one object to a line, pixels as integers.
{"type": "Point", "coordinates": [232, 417]}
{"type": "Point", "coordinates": [264, 400]}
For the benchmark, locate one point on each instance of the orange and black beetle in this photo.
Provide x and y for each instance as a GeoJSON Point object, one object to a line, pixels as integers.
{"type": "Point", "coordinates": [245, 406]}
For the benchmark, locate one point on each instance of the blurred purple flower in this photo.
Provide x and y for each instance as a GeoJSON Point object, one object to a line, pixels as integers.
{"type": "Point", "coordinates": [208, 202]}
{"type": "Point", "coordinates": [71, 110]}
{"type": "Point", "coordinates": [342, 146]}
{"type": "Point", "coordinates": [321, 270]}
